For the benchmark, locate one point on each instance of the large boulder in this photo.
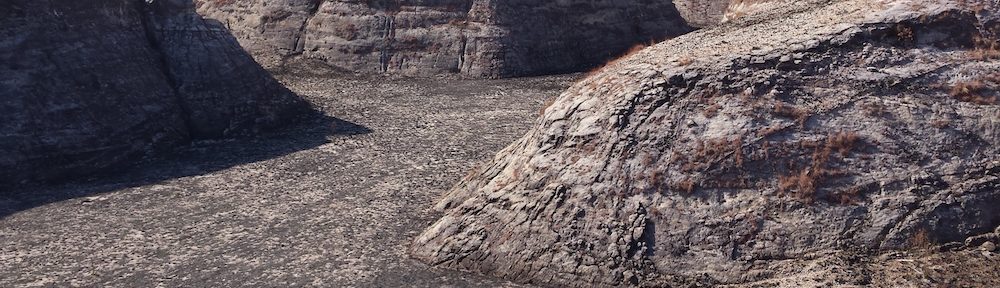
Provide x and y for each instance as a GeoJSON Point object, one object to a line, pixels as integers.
{"type": "Point", "coordinates": [87, 85]}
{"type": "Point", "coordinates": [796, 144]}
{"type": "Point", "coordinates": [702, 13]}
{"type": "Point", "coordinates": [478, 38]}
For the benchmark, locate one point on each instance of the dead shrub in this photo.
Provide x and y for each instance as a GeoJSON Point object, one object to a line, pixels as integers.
{"type": "Point", "coordinates": [985, 49]}
{"type": "Point", "coordinates": [805, 183]}
{"type": "Point", "coordinates": [874, 109]}
{"type": "Point", "coordinates": [905, 33]}
{"type": "Point", "coordinates": [711, 110]}
{"type": "Point", "coordinates": [789, 111]}
{"type": "Point", "coordinates": [972, 92]}
{"type": "Point", "coordinates": [842, 142]}
{"type": "Point", "coordinates": [708, 152]}
{"type": "Point", "coordinates": [686, 186]}
{"type": "Point", "coordinates": [921, 240]}
{"type": "Point", "coordinates": [940, 123]}
{"type": "Point", "coordinates": [849, 196]}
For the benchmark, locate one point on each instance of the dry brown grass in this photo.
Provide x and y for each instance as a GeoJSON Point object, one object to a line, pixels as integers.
{"type": "Point", "coordinates": [545, 106]}
{"type": "Point", "coordinates": [921, 240]}
{"type": "Point", "coordinates": [905, 33]}
{"type": "Point", "coordinates": [849, 196]}
{"type": "Point", "coordinates": [686, 186]}
{"type": "Point", "coordinates": [805, 183]}
{"type": "Point", "coordinates": [770, 130]}
{"type": "Point", "coordinates": [632, 50]}
{"type": "Point", "coordinates": [843, 142]}
{"type": "Point", "coordinates": [800, 115]}
{"type": "Point", "coordinates": [802, 183]}
{"type": "Point", "coordinates": [972, 92]}
{"type": "Point", "coordinates": [985, 49]}
{"type": "Point", "coordinates": [874, 109]}
{"type": "Point", "coordinates": [711, 110]}
{"type": "Point", "coordinates": [711, 151]}
{"type": "Point", "coordinates": [940, 123]}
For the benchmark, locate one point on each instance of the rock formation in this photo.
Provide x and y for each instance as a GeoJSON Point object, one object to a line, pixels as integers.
{"type": "Point", "coordinates": [478, 38]}
{"type": "Point", "coordinates": [702, 13]}
{"type": "Point", "coordinates": [797, 143]}
{"type": "Point", "coordinates": [89, 85]}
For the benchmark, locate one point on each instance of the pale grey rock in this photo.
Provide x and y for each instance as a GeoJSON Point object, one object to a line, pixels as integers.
{"type": "Point", "coordinates": [989, 246]}
{"type": "Point", "coordinates": [476, 38]}
{"type": "Point", "coordinates": [763, 152]}
{"type": "Point", "coordinates": [702, 13]}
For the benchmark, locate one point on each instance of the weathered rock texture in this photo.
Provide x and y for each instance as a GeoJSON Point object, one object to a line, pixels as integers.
{"type": "Point", "coordinates": [708, 13]}
{"type": "Point", "coordinates": [479, 38]}
{"type": "Point", "coordinates": [86, 85]}
{"type": "Point", "coordinates": [786, 149]}
{"type": "Point", "coordinates": [702, 13]}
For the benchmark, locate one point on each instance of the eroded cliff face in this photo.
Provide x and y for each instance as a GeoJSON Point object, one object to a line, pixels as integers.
{"type": "Point", "coordinates": [790, 149]}
{"type": "Point", "coordinates": [89, 85]}
{"type": "Point", "coordinates": [479, 38]}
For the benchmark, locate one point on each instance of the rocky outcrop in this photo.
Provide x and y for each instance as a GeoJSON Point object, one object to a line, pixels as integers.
{"type": "Point", "coordinates": [478, 38]}
{"type": "Point", "coordinates": [702, 13]}
{"type": "Point", "coordinates": [708, 13]}
{"type": "Point", "coordinates": [90, 85]}
{"type": "Point", "coordinates": [794, 146]}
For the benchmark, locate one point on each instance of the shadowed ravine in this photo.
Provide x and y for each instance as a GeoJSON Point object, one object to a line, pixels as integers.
{"type": "Point", "coordinates": [325, 203]}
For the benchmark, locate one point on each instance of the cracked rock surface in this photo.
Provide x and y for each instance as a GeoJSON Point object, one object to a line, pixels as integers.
{"type": "Point", "coordinates": [475, 38]}
{"type": "Point", "coordinates": [791, 146]}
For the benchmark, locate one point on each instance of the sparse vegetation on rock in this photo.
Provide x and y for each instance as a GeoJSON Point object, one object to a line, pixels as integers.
{"type": "Point", "coordinates": [820, 147]}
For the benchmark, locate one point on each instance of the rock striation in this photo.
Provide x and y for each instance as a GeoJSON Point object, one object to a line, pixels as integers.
{"type": "Point", "coordinates": [89, 85]}
{"type": "Point", "coordinates": [788, 149]}
{"type": "Point", "coordinates": [476, 38]}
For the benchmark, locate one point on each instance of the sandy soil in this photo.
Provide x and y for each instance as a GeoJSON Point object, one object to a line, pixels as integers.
{"type": "Point", "coordinates": [330, 202]}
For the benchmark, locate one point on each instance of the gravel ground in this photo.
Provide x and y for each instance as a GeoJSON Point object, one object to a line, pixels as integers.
{"type": "Point", "coordinates": [330, 202]}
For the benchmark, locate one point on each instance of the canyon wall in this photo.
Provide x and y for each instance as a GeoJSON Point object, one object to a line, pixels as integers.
{"type": "Point", "coordinates": [477, 38]}
{"type": "Point", "coordinates": [88, 85]}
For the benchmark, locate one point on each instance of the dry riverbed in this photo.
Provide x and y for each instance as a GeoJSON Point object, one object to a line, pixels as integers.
{"type": "Point", "coordinates": [330, 202]}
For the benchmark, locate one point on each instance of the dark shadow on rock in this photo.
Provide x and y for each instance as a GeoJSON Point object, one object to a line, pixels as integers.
{"type": "Point", "coordinates": [198, 158]}
{"type": "Point", "coordinates": [150, 92]}
{"type": "Point", "coordinates": [575, 42]}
